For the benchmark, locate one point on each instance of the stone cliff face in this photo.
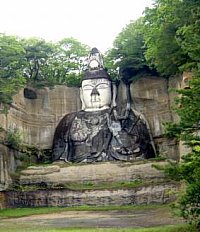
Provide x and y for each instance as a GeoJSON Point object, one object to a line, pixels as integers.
{"type": "Point", "coordinates": [36, 113]}
{"type": "Point", "coordinates": [152, 96]}
{"type": "Point", "coordinates": [150, 187]}
{"type": "Point", "coordinates": [36, 117]}
{"type": "Point", "coordinates": [6, 167]}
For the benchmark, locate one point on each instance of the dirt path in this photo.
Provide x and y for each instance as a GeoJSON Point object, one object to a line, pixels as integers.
{"type": "Point", "coordinates": [132, 218]}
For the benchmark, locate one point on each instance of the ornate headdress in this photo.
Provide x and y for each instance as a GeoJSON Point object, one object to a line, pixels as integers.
{"type": "Point", "coordinates": [95, 67]}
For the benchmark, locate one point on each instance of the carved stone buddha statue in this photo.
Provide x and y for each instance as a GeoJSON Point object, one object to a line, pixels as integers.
{"type": "Point", "coordinates": [101, 131]}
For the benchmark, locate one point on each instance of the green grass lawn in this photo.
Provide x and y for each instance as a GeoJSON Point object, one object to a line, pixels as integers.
{"type": "Point", "coordinates": [11, 224]}
{"type": "Point", "coordinates": [21, 212]}
{"type": "Point", "coordinates": [176, 228]}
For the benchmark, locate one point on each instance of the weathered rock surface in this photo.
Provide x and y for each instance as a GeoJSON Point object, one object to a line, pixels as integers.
{"type": "Point", "coordinates": [155, 194]}
{"type": "Point", "coordinates": [152, 96]}
{"type": "Point", "coordinates": [94, 173]}
{"type": "Point", "coordinates": [152, 99]}
{"type": "Point", "coordinates": [7, 166]}
{"type": "Point", "coordinates": [36, 118]}
{"type": "Point", "coordinates": [154, 188]}
{"type": "Point", "coordinates": [36, 113]}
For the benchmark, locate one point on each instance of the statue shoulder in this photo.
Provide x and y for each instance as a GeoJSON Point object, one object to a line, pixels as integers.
{"type": "Point", "coordinates": [67, 118]}
{"type": "Point", "coordinates": [64, 124]}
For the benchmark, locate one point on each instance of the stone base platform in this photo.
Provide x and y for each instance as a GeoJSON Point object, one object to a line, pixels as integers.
{"type": "Point", "coordinates": [51, 185]}
{"type": "Point", "coordinates": [62, 173]}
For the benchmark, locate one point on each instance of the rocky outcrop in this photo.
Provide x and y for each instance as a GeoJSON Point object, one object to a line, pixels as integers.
{"type": "Point", "coordinates": [153, 97]}
{"type": "Point", "coordinates": [155, 194]}
{"type": "Point", "coordinates": [7, 166]}
{"type": "Point", "coordinates": [50, 185]}
{"type": "Point", "coordinates": [36, 113]}
{"type": "Point", "coordinates": [99, 172]}
{"type": "Point", "coordinates": [36, 117]}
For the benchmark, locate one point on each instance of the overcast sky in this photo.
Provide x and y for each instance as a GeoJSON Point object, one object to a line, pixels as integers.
{"type": "Point", "coordinates": [92, 22]}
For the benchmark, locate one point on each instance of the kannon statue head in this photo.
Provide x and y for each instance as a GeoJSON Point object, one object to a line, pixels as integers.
{"type": "Point", "coordinates": [96, 88]}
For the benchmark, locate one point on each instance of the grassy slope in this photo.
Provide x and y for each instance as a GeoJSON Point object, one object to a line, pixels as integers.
{"type": "Point", "coordinates": [174, 228]}
{"type": "Point", "coordinates": [21, 212]}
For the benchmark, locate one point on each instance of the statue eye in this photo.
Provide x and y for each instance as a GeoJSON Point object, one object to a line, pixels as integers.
{"type": "Point", "coordinates": [103, 86]}
{"type": "Point", "coordinates": [87, 87]}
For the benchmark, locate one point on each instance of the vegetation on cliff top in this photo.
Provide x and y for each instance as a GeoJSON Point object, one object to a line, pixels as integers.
{"type": "Point", "coordinates": [164, 41]}
{"type": "Point", "coordinates": [38, 63]}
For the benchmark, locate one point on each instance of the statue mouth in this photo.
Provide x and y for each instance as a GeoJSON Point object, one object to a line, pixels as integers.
{"type": "Point", "coordinates": [95, 99]}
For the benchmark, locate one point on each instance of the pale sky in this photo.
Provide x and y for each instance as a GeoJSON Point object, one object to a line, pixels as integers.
{"type": "Point", "coordinates": [92, 22]}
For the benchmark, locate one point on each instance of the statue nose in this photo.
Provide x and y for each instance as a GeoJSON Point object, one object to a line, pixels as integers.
{"type": "Point", "coordinates": [95, 92]}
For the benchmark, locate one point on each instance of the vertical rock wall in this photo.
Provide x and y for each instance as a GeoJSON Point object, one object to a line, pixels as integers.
{"type": "Point", "coordinates": [37, 113]}
{"type": "Point", "coordinates": [7, 166]}
{"type": "Point", "coordinates": [153, 97]}
{"type": "Point", "coordinates": [37, 118]}
{"type": "Point", "coordinates": [150, 97]}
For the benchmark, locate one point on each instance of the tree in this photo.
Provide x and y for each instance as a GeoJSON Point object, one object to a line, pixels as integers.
{"type": "Point", "coordinates": [161, 26]}
{"type": "Point", "coordinates": [128, 50]}
{"type": "Point", "coordinates": [188, 35]}
{"type": "Point", "coordinates": [50, 64]}
{"type": "Point", "coordinates": [38, 63]}
{"type": "Point", "coordinates": [186, 39]}
{"type": "Point", "coordinates": [71, 57]}
{"type": "Point", "coordinates": [188, 130]}
{"type": "Point", "coordinates": [38, 56]}
{"type": "Point", "coordinates": [12, 61]}
{"type": "Point", "coordinates": [172, 35]}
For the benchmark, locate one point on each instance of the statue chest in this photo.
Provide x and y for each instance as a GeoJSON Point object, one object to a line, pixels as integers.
{"type": "Point", "coordinates": [86, 127]}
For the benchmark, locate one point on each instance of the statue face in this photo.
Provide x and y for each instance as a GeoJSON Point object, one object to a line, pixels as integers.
{"type": "Point", "coordinates": [96, 94]}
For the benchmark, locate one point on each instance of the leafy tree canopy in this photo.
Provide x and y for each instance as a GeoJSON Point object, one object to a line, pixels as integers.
{"type": "Point", "coordinates": [165, 39]}
{"type": "Point", "coordinates": [188, 130]}
{"type": "Point", "coordinates": [71, 56]}
{"type": "Point", "coordinates": [51, 64]}
{"type": "Point", "coordinates": [183, 18]}
{"type": "Point", "coordinates": [39, 63]}
{"type": "Point", "coordinates": [37, 54]}
{"type": "Point", "coordinates": [168, 39]}
{"type": "Point", "coordinates": [11, 67]}
{"type": "Point", "coordinates": [128, 51]}
{"type": "Point", "coordinates": [172, 35]}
